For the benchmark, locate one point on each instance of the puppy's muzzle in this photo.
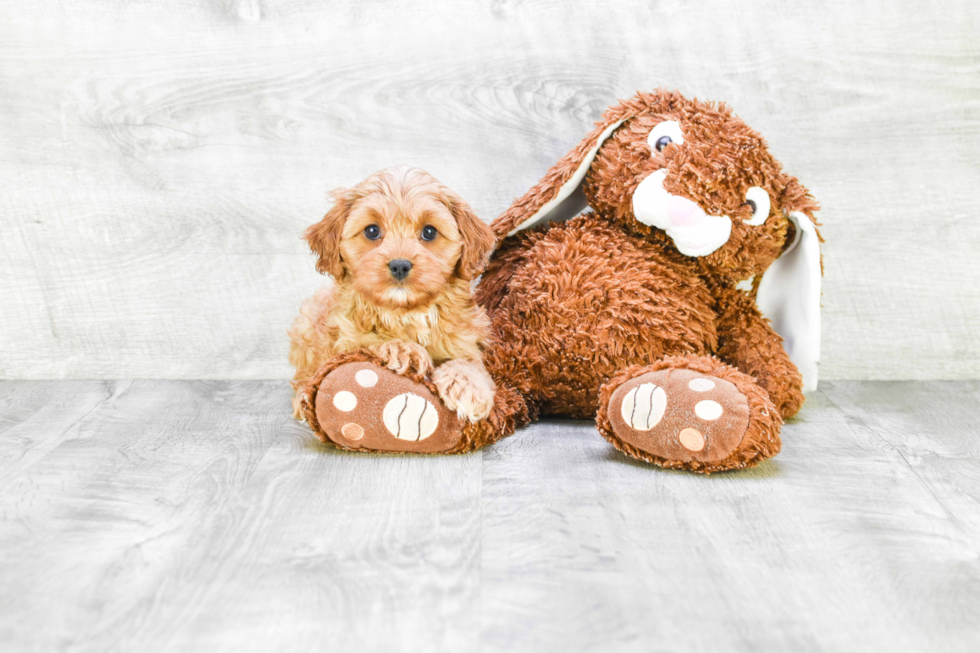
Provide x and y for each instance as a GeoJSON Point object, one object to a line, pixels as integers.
{"type": "Point", "coordinates": [400, 268]}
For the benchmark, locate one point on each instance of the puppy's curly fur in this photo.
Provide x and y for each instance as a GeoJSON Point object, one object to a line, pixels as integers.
{"type": "Point", "coordinates": [426, 321]}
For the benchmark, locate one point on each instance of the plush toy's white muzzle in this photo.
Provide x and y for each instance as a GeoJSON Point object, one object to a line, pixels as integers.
{"type": "Point", "coordinates": [694, 232]}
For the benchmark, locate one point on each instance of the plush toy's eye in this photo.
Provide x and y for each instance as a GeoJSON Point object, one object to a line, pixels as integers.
{"type": "Point", "coordinates": [372, 232]}
{"type": "Point", "coordinates": [758, 200]}
{"type": "Point", "coordinates": [429, 232]}
{"type": "Point", "coordinates": [664, 134]}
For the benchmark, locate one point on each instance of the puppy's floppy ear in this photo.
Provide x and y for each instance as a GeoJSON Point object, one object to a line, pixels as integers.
{"type": "Point", "coordinates": [789, 292]}
{"type": "Point", "coordinates": [324, 237]}
{"type": "Point", "coordinates": [477, 238]}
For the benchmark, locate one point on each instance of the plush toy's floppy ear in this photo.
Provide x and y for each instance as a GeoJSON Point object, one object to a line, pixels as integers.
{"type": "Point", "coordinates": [789, 295]}
{"type": "Point", "coordinates": [558, 196]}
{"type": "Point", "coordinates": [324, 237]}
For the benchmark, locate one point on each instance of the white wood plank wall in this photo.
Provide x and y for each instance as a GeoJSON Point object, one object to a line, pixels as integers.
{"type": "Point", "coordinates": [158, 160]}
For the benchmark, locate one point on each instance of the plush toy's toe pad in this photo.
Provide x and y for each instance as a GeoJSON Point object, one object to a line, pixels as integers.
{"type": "Point", "coordinates": [364, 406]}
{"type": "Point", "coordinates": [680, 415]}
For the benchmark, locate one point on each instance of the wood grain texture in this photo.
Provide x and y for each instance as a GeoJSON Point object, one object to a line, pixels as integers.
{"type": "Point", "coordinates": [158, 162]}
{"type": "Point", "coordinates": [837, 544]}
{"type": "Point", "coordinates": [197, 516]}
{"type": "Point", "coordinates": [200, 517]}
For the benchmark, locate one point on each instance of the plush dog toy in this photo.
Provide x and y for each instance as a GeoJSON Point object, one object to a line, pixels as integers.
{"type": "Point", "coordinates": [683, 311]}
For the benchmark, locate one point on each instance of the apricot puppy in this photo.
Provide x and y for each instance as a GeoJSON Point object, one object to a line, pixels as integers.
{"type": "Point", "coordinates": [402, 250]}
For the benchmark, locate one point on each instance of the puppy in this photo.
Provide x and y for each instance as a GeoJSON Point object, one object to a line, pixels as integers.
{"type": "Point", "coordinates": [403, 250]}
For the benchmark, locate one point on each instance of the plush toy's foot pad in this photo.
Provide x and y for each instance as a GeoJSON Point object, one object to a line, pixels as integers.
{"type": "Point", "coordinates": [363, 406]}
{"type": "Point", "coordinates": [689, 412]}
{"type": "Point", "coordinates": [680, 415]}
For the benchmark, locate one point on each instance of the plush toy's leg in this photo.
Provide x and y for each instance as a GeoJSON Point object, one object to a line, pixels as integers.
{"type": "Point", "coordinates": [689, 412]}
{"type": "Point", "coordinates": [356, 403]}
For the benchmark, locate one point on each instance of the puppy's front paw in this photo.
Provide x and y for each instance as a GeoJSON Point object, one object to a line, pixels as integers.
{"type": "Point", "coordinates": [465, 388]}
{"type": "Point", "coordinates": [400, 356]}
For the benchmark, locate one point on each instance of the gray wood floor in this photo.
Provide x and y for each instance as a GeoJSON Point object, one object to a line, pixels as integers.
{"type": "Point", "coordinates": [197, 516]}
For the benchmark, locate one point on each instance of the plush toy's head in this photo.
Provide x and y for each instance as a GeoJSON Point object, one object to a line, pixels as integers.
{"type": "Point", "coordinates": [688, 173]}
{"type": "Point", "coordinates": [695, 177]}
{"type": "Point", "coordinates": [699, 179]}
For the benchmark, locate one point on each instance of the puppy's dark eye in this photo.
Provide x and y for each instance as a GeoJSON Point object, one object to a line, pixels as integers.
{"type": "Point", "coordinates": [372, 232]}
{"type": "Point", "coordinates": [663, 142]}
{"type": "Point", "coordinates": [429, 232]}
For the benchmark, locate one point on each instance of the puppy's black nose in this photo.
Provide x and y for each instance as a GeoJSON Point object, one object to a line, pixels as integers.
{"type": "Point", "coordinates": [400, 268]}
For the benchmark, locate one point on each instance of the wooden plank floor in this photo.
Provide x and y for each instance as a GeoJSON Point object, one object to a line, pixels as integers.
{"type": "Point", "coordinates": [197, 516]}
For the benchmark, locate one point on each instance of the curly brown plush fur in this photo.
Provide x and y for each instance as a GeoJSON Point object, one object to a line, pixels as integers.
{"type": "Point", "coordinates": [576, 308]}
{"type": "Point", "coordinates": [584, 304]}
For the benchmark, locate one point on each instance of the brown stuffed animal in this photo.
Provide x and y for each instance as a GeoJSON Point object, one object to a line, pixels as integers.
{"type": "Point", "coordinates": [645, 313]}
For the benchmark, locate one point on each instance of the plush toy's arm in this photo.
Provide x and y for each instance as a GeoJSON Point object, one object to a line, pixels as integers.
{"type": "Point", "coordinates": [747, 341]}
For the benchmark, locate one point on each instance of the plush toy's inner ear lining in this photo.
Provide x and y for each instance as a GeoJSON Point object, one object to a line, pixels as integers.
{"type": "Point", "coordinates": [569, 200]}
{"type": "Point", "coordinates": [789, 295]}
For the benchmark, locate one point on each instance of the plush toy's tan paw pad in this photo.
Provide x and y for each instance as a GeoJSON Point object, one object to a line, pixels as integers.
{"type": "Point", "coordinates": [364, 406]}
{"type": "Point", "coordinates": [680, 415]}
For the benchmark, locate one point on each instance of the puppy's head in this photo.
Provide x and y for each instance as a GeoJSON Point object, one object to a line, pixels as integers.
{"type": "Point", "coordinates": [400, 237]}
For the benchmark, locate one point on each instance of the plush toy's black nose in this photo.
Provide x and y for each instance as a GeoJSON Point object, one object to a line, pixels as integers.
{"type": "Point", "coordinates": [400, 268]}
